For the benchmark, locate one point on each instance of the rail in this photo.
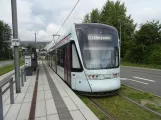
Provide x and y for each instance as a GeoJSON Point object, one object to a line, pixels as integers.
{"type": "Point", "coordinates": [5, 81]}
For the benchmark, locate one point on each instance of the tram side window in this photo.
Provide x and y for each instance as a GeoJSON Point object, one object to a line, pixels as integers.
{"type": "Point", "coordinates": [75, 61]}
{"type": "Point", "coordinates": [60, 55]}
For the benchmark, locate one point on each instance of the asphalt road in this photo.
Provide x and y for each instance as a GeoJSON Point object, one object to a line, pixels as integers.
{"type": "Point", "coordinates": [4, 63]}
{"type": "Point", "coordinates": [148, 80]}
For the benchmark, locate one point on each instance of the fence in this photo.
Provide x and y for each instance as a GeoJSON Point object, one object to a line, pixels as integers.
{"type": "Point", "coordinates": [6, 80]}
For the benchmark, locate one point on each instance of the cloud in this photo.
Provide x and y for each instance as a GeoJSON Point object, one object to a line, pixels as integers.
{"type": "Point", "coordinates": [45, 17]}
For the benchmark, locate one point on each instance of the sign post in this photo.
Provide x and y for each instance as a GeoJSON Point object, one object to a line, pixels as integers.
{"type": "Point", "coordinates": [16, 43]}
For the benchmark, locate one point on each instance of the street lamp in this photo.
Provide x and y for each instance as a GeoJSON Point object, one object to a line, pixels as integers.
{"type": "Point", "coordinates": [120, 28]}
{"type": "Point", "coordinates": [54, 36]}
{"type": "Point", "coordinates": [35, 40]}
{"type": "Point", "coordinates": [120, 36]}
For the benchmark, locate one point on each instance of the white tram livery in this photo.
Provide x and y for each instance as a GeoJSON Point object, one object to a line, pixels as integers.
{"type": "Point", "coordinates": [88, 58]}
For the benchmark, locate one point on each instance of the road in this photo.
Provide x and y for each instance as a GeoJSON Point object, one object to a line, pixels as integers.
{"type": "Point", "coordinates": [4, 63]}
{"type": "Point", "coordinates": [148, 80]}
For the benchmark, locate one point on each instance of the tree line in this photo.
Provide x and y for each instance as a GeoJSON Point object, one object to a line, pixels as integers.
{"type": "Point", "coordinates": [141, 45]}
{"type": "Point", "coordinates": [5, 45]}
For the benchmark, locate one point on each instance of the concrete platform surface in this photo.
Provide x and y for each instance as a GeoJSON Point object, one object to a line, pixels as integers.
{"type": "Point", "coordinates": [54, 100]}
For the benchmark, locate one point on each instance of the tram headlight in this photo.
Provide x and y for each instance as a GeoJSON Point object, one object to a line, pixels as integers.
{"type": "Point", "coordinates": [103, 76]}
{"type": "Point", "coordinates": [115, 75]}
{"type": "Point", "coordinates": [95, 77]}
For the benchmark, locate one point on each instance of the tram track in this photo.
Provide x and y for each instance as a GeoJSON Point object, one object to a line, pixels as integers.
{"type": "Point", "coordinates": [141, 106]}
{"type": "Point", "coordinates": [112, 117]}
{"type": "Point", "coordinates": [105, 112]}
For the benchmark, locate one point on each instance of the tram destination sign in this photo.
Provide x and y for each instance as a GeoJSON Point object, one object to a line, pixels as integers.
{"type": "Point", "coordinates": [100, 37]}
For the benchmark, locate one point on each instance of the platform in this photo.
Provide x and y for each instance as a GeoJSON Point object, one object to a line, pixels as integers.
{"type": "Point", "coordinates": [47, 98]}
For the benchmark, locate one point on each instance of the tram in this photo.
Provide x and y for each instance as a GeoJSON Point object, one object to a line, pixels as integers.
{"type": "Point", "coordinates": [87, 58]}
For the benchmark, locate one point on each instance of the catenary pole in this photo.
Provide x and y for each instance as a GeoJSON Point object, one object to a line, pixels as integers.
{"type": "Point", "coordinates": [16, 47]}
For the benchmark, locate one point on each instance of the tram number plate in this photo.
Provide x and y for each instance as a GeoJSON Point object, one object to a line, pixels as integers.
{"type": "Point", "coordinates": [107, 76]}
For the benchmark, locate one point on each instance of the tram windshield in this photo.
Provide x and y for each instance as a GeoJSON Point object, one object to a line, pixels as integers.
{"type": "Point", "coordinates": [99, 48]}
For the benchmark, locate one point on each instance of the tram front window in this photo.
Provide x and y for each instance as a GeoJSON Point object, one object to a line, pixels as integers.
{"type": "Point", "coordinates": [99, 48]}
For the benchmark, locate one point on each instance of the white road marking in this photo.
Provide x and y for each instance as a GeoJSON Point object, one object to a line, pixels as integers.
{"type": "Point", "coordinates": [144, 79]}
{"type": "Point", "coordinates": [142, 68]}
{"type": "Point", "coordinates": [134, 81]}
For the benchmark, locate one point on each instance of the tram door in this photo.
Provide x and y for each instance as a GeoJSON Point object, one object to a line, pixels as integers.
{"type": "Point", "coordinates": [67, 68]}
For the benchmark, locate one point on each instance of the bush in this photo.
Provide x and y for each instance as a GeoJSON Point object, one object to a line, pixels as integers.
{"type": "Point", "coordinates": [135, 54]}
{"type": "Point", "coordinates": [154, 56]}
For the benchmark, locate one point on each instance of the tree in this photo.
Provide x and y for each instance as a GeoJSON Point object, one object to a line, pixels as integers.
{"type": "Point", "coordinates": [95, 16]}
{"type": "Point", "coordinates": [114, 14]}
{"type": "Point", "coordinates": [86, 18]}
{"type": "Point", "coordinates": [147, 48]}
{"type": "Point", "coordinates": [149, 33]}
{"type": "Point", "coordinates": [5, 37]}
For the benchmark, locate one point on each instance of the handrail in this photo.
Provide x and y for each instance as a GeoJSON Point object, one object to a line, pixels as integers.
{"type": "Point", "coordinates": [11, 73]}
{"type": "Point", "coordinates": [3, 82]}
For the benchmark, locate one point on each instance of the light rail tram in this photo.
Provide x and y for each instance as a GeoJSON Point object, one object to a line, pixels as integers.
{"type": "Point", "coordinates": [87, 58]}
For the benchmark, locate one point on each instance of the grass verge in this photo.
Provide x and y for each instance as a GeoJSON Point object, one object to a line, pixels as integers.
{"type": "Point", "coordinates": [146, 99]}
{"type": "Point", "coordinates": [124, 63]}
{"type": "Point", "coordinates": [125, 110]}
{"type": "Point", "coordinates": [8, 68]}
{"type": "Point", "coordinates": [94, 109]}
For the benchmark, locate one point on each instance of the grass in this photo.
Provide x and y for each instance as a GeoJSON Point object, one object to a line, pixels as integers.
{"type": "Point", "coordinates": [146, 99]}
{"type": "Point", "coordinates": [124, 63]}
{"type": "Point", "coordinates": [9, 68]}
{"type": "Point", "coordinates": [122, 109]}
{"type": "Point", "coordinates": [94, 109]}
{"type": "Point", "coordinates": [125, 110]}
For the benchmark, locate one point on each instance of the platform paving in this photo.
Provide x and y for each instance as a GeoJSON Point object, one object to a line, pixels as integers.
{"type": "Point", "coordinates": [55, 100]}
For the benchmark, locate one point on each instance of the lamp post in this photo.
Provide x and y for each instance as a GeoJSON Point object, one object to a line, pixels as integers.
{"type": "Point", "coordinates": [120, 28]}
{"type": "Point", "coordinates": [15, 43]}
{"type": "Point", "coordinates": [35, 40]}
{"type": "Point", "coordinates": [54, 36]}
{"type": "Point", "coordinates": [120, 36]}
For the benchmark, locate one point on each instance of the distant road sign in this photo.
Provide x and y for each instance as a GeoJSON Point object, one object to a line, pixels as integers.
{"type": "Point", "coordinates": [15, 42]}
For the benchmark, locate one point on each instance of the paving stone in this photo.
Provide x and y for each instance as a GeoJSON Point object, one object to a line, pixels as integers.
{"type": "Point", "coordinates": [40, 109]}
{"type": "Point", "coordinates": [64, 115]}
{"type": "Point", "coordinates": [28, 97]}
{"type": "Point", "coordinates": [40, 118]}
{"type": "Point", "coordinates": [63, 93]}
{"type": "Point", "coordinates": [58, 101]}
{"type": "Point", "coordinates": [77, 115]}
{"type": "Point", "coordinates": [53, 117]}
{"type": "Point", "coordinates": [20, 98]}
{"type": "Point", "coordinates": [24, 111]}
{"type": "Point", "coordinates": [50, 107]}
{"type": "Point", "coordinates": [7, 102]}
{"type": "Point", "coordinates": [66, 119]}
{"type": "Point", "coordinates": [13, 112]}
{"type": "Point", "coordinates": [5, 109]}
{"type": "Point", "coordinates": [48, 95]}
{"type": "Point", "coordinates": [62, 110]}
{"type": "Point", "coordinates": [40, 96]}
{"type": "Point", "coordinates": [69, 103]}
{"type": "Point", "coordinates": [30, 89]}
{"type": "Point", "coordinates": [46, 87]}
{"type": "Point", "coordinates": [60, 105]}
{"type": "Point", "coordinates": [40, 88]}
{"type": "Point", "coordinates": [88, 114]}
{"type": "Point", "coordinates": [57, 97]}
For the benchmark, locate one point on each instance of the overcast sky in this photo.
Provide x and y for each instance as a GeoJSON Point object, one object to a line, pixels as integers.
{"type": "Point", "coordinates": [46, 16]}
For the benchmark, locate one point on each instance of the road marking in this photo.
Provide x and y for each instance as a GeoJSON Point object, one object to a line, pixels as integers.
{"type": "Point", "coordinates": [134, 81]}
{"type": "Point", "coordinates": [142, 68]}
{"type": "Point", "coordinates": [144, 79]}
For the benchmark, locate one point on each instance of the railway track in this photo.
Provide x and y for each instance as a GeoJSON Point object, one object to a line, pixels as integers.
{"type": "Point", "coordinates": [105, 112]}
{"type": "Point", "coordinates": [141, 106]}
{"type": "Point", "coordinates": [111, 117]}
